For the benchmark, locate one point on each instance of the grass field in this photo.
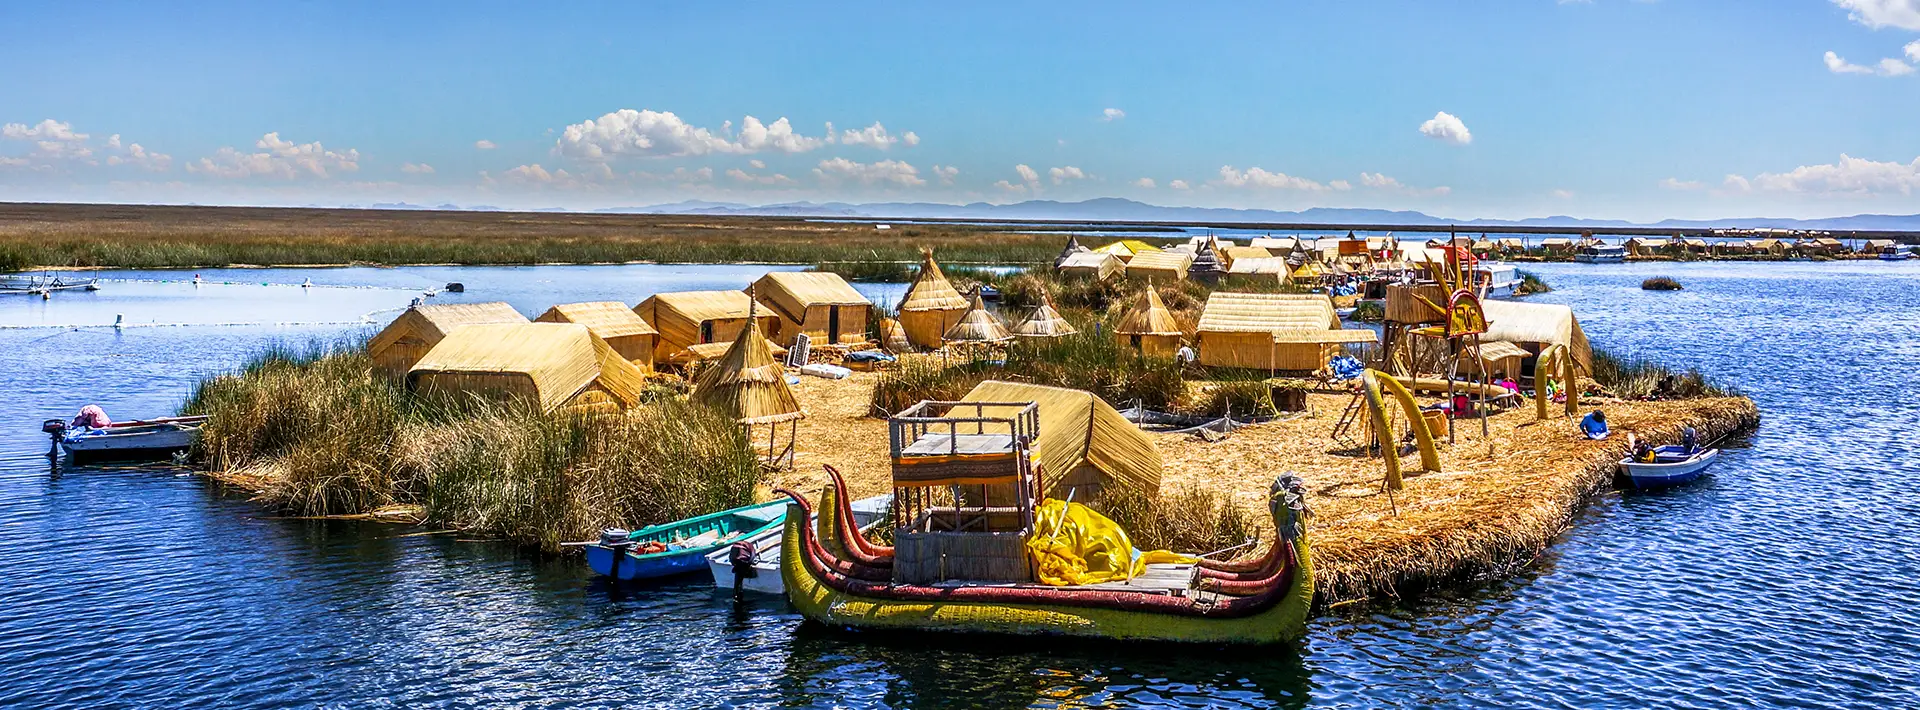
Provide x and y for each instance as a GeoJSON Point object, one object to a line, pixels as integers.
{"type": "Point", "coordinates": [134, 236]}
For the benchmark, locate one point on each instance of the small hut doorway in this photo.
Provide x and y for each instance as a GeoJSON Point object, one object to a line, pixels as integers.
{"type": "Point", "coordinates": [833, 325]}
{"type": "Point", "coordinates": [706, 331]}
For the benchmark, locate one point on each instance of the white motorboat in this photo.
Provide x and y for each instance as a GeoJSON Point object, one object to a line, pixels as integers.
{"type": "Point", "coordinates": [1671, 465]}
{"type": "Point", "coordinates": [1601, 254]}
{"type": "Point", "coordinates": [867, 512]}
{"type": "Point", "coordinates": [143, 439]}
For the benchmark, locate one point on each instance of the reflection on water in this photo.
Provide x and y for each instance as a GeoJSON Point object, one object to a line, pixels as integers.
{"type": "Point", "coordinates": [1785, 578]}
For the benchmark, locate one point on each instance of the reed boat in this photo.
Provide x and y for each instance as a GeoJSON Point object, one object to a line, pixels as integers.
{"type": "Point", "coordinates": [978, 550]}
{"type": "Point", "coordinates": [1264, 600]}
{"type": "Point", "coordinates": [146, 439]}
{"type": "Point", "coordinates": [678, 547]}
{"type": "Point", "coordinates": [1671, 466]}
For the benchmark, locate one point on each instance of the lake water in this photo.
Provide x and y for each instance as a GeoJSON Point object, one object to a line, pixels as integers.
{"type": "Point", "coordinates": [1787, 578]}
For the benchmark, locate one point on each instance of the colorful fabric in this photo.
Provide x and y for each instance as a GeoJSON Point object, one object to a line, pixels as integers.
{"type": "Point", "coordinates": [92, 416]}
{"type": "Point", "coordinates": [1073, 544]}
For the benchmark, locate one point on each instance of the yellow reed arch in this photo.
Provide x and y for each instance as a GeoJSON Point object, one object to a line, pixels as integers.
{"type": "Point", "coordinates": [1552, 358]}
{"type": "Point", "coordinates": [1372, 382]}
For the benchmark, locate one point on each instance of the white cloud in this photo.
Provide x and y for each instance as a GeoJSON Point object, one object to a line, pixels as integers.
{"type": "Point", "coordinates": [279, 158]}
{"type": "Point", "coordinates": [1904, 14]}
{"type": "Point", "coordinates": [113, 141]}
{"type": "Point", "coordinates": [536, 174]}
{"type": "Point", "coordinates": [876, 135]}
{"type": "Point", "coordinates": [1886, 67]}
{"type": "Point", "coordinates": [52, 140]}
{"type": "Point", "coordinates": [1179, 185]}
{"type": "Point", "coordinates": [1377, 180]}
{"type": "Point", "coordinates": [416, 168]}
{"type": "Point", "coordinates": [1681, 185]}
{"type": "Point", "coordinates": [946, 173]}
{"type": "Point", "coordinates": [1848, 176]}
{"type": "Point", "coordinates": [484, 144]}
{"type": "Point", "coordinates": [757, 164]}
{"type": "Point", "coordinates": [1144, 182]}
{"type": "Point", "coordinates": [1256, 177]}
{"type": "Point", "coordinates": [1028, 177]}
{"type": "Point", "coordinates": [1562, 193]}
{"type": "Point", "coordinates": [1112, 114]}
{"type": "Point", "coordinates": [892, 173]}
{"type": "Point", "coordinates": [744, 177]}
{"type": "Point", "coordinates": [1010, 187]}
{"type": "Point", "coordinates": [138, 156]}
{"type": "Point", "coordinates": [1446, 127]}
{"type": "Point", "coordinates": [1388, 183]}
{"type": "Point", "coordinates": [661, 134]}
{"type": "Point", "coordinates": [1062, 176]}
{"type": "Point", "coordinates": [1913, 51]}
{"type": "Point", "coordinates": [1340, 185]}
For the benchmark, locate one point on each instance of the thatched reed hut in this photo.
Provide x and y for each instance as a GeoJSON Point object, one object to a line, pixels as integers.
{"type": "Point", "coordinates": [1501, 358]}
{"type": "Point", "coordinates": [1232, 255]}
{"type": "Point", "coordinates": [1149, 327]}
{"type": "Point", "coordinates": [1126, 249]}
{"type": "Point", "coordinates": [1272, 331]}
{"type": "Point", "coordinates": [551, 365]}
{"type": "Point", "coordinates": [818, 303]}
{"type": "Point", "coordinates": [1044, 321]}
{"type": "Point", "coordinates": [687, 318]}
{"type": "Point", "coordinates": [1160, 266]}
{"type": "Point", "coordinates": [1262, 266]}
{"type": "Point", "coordinates": [931, 306]}
{"type": "Point", "coordinates": [893, 336]}
{"type": "Point", "coordinates": [1084, 446]}
{"type": "Point", "coordinates": [1207, 265]}
{"type": "Point", "coordinates": [1098, 266]}
{"type": "Point", "coordinates": [1646, 246]}
{"type": "Point", "coordinates": [749, 386]}
{"type": "Point", "coordinates": [408, 338]}
{"type": "Point", "coordinates": [1073, 247]}
{"type": "Point", "coordinates": [978, 326]}
{"type": "Point", "coordinates": [612, 321]}
{"type": "Point", "coordinates": [1533, 326]}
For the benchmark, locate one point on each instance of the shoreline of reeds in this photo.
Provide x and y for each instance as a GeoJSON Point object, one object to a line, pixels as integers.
{"type": "Point", "coordinates": [319, 433]}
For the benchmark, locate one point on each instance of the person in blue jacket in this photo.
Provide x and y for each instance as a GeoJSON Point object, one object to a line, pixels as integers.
{"type": "Point", "coordinates": [1594, 426]}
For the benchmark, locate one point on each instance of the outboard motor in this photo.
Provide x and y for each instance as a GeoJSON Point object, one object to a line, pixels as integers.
{"type": "Point", "coordinates": [740, 557]}
{"type": "Point", "coordinates": [618, 540]}
{"type": "Point", "coordinates": [54, 428]}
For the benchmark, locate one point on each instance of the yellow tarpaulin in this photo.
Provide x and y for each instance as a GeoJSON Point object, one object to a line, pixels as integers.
{"type": "Point", "coordinates": [1073, 544]}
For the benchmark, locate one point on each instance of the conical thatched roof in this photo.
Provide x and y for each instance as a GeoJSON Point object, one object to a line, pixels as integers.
{"type": "Point", "coordinates": [1149, 316]}
{"type": "Point", "coordinates": [979, 325]}
{"type": "Point", "coordinates": [930, 290]}
{"type": "Point", "coordinates": [1073, 247]}
{"type": "Point", "coordinates": [893, 337]}
{"type": "Point", "coordinates": [1044, 322]}
{"type": "Point", "coordinates": [747, 384]}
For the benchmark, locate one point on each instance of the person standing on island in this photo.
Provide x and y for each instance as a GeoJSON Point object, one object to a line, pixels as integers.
{"type": "Point", "coordinates": [1594, 426]}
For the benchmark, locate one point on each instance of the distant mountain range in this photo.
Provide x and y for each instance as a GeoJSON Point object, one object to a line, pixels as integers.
{"type": "Point", "coordinates": [1113, 209]}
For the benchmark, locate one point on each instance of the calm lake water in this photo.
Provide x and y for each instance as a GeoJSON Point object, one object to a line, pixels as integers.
{"type": "Point", "coordinates": [1787, 578]}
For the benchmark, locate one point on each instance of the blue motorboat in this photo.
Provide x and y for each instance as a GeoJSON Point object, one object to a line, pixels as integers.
{"type": "Point", "coordinates": [678, 547]}
{"type": "Point", "coordinates": [1671, 466]}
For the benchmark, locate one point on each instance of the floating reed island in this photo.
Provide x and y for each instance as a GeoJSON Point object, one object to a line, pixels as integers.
{"type": "Point", "coordinates": [1428, 459]}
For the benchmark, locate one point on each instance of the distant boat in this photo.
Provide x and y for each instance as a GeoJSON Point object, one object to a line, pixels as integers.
{"type": "Point", "coordinates": [678, 547]}
{"type": "Point", "coordinates": [150, 439]}
{"type": "Point", "coordinates": [1495, 278]}
{"type": "Point", "coordinates": [1895, 253]}
{"type": "Point", "coordinates": [1671, 465]}
{"type": "Point", "coordinates": [43, 285]}
{"type": "Point", "coordinates": [1601, 254]}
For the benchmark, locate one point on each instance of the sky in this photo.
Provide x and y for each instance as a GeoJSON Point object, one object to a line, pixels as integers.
{"type": "Point", "coordinates": [1619, 109]}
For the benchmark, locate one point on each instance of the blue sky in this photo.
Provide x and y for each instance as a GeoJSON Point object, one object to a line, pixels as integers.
{"type": "Point", "coordinates": [1609, 108]}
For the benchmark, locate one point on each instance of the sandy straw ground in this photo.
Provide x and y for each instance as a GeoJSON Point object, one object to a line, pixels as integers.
{"type": "Point", "coordinates": [1480, 516]}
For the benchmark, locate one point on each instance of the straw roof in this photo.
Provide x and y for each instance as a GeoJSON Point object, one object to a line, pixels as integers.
{"type": "Point", "coordinates": [1518, 322]}
{"type": "Point", "coordinates": [1149, 316]}
{"type": "Point", "coordinates": [979, 325]}
{"type": "Point", "coordinates": [1044, 321]}
{"type": "Point", "coordinates": [432, 323]}
{"type": "Point", "coordinates": [1235, 254]}
{"type": "Point", "coordinates": [1495, 350]}
{"type": "Point", "coordinates": [1260, 265]}
{"type": "Point", "coordinates": [1276, 244]}
{"type": "Point", "coordinates": [1170, 262]}
{"type": "Point", "coordinates": [555, 361]}
{"type": "Point", "coordinates": [1324, 337]}
{"type": "Point", "coordinates": [700, 306]}
{"type": "Point", "coordinates": [607, 319]}
{"type": "Point", "coordinates": [791, 292]}
{"type": "Point", "coordinates": [893, 337]}
{"type": "Point", "coordinates": [1082, 440]}
{"type": "Point", "coordinates": [1511, 243]}
{"type": "Point", "coordinates": [1267, 312]}
{"type": "Point", "coordinates": [746, 383]}
{"type": "Point", "coordinates": [931, 291]}
{"type": "Point", "coordinates": [1100, 263]}
{"type": "Point", "coordinates": [1125, 248]}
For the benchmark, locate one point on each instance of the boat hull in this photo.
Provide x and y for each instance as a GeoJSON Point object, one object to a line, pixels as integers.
{"type": "Point", "coordinates": [1285, 620]}
{"type": "Point", "coordinates": [727, 526]}
{"type": "Point", "coordinates": [1662, 475]}
{"type": "Point", "coordinates": [632, 567]}
{"type": "Point", "coordinates": [131, 443]}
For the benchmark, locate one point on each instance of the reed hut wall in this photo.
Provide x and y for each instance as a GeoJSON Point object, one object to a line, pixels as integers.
{"type": "Point", "coordinates": [404, 341]}
{"type": "Point", "coordinates": [1159, 266]}
{"type": "Point", "coordinates": [614, 322]}
{"type": "Point", "coordinates": [689, 318]}
{"type": "Point", "coordinates": [1093, 265]}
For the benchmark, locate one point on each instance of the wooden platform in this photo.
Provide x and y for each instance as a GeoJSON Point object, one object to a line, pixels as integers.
{"type": "Point", "coordinates": [1167, 579]}
{"type": "Point", "coordinates": [931, 444]}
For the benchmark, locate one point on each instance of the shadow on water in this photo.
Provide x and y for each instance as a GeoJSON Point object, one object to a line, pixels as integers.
{"type": "Point", "coordinates": [835, 667]}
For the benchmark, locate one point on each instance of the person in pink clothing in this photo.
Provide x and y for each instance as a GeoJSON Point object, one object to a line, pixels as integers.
{"type": "Point", "coordinates": [92, 416]}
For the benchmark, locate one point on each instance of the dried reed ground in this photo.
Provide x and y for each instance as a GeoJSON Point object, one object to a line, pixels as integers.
{"type": "Point", "coordinates": [1478, 517]}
